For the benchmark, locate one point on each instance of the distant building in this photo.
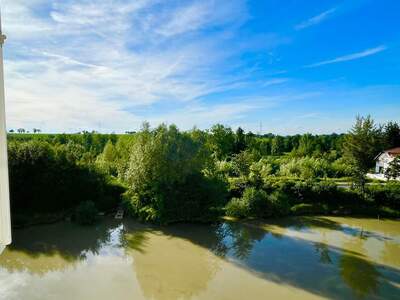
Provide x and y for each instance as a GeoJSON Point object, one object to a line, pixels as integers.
{"type": "Point", "coordinates": [382, 162]}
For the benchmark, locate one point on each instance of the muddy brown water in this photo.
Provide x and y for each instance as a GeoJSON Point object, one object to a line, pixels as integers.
{"type": "Point", "coordinates": [293, 258]}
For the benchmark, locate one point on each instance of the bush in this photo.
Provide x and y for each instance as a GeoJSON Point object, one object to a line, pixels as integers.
{"type": "Point", "coordinates": [237, 208]}
{"type": "Point", "coordinates": [388, 212]}
{"type": "Point", "coordinates": [386, 195]}
{"type": "Point", "coordinates": [279, 203]}
{"type": "Point", "coordinates": [306, 167]}
{"type": "Point", "coordinates": [315, 192]}
{"type": "Point", "coordinates": [340, 168]}
{"type": "Point", "coordinates": [256, 201]}
{"type": "Point", "coordinates": [86, 213]}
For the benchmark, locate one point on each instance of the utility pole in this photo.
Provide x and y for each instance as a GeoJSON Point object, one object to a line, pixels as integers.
{"type": "Point", "coordinates": [5, 219]}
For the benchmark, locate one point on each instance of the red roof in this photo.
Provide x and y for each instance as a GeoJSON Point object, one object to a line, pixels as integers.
{"type": "Point", "coordinates": [394, 151]}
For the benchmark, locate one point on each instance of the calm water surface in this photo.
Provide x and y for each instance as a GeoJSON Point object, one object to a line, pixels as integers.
{"type": "Point", "coordinates": [295, 258]}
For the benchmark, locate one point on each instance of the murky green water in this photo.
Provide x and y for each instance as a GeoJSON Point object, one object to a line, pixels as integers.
{"type": "Point", "coordinates": [297, 258]}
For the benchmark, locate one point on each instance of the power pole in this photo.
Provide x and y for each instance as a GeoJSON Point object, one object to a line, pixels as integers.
{"type": "Point", "coordinates": [5, 219]}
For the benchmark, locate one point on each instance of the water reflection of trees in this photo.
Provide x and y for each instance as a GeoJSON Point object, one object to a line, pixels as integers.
{"type": "Point", "coordinates": [323, 250]}
{"type": "Point", "coordinates": [239, 239]}
{"type": "Point", "coordinates": [47, 248]}
{"type": "Point", "coordinates": [135, 240]}
{"type": "Point", "coordinates": [176, 260]}
{"type": "Point", "coordinates": [295, 264]}
{"type": "Point", "coordinates": [179, 261]}
{"type": "Point", "coordinates": [360, 275]}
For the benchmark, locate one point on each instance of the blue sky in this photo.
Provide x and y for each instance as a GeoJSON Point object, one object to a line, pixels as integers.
{"type": "Point", "coordinates": [292, 66]}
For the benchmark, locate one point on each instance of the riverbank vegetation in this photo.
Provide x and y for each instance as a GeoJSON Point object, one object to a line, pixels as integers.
{"type": "Point", "coordinates": [165, 175]}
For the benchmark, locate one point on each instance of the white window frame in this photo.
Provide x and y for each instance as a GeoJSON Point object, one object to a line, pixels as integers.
{"type": "Point", "coordinates": [5, 218]}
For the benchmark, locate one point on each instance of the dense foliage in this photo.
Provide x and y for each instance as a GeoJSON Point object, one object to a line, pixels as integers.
{"type": "Point", "coordinates": [166, 179]}
{"type": "Point", "coordinates": [172, 176]}
{"type": "Point", "coordinates": [46, 178]}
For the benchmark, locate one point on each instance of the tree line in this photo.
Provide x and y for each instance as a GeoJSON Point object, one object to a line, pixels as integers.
{"type": "Point", "coordinates": [166, 175]}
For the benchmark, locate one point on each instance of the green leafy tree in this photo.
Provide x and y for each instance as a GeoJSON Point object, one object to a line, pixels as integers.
{"type": "Point", "coordinates": [241, 163]}
{"type": "Point", "coordinates": [306, 145]}
{"type": "Point", "coordinates": [107, 160]}
{"type": "Point", "coordinates": [393, 171]}
{"type": "Point", "coordinates": [240, 140]}
{"type": "Point", "coordinates": [221, 141]}
{"type": "Point", "coordinates": [361, 145]}
{"type": "Point", "coordinates": [262, 146]}
{"type": "Point", "coordinates": [392, 135]}
{"type": "Point", "coordinates": [165, 177]}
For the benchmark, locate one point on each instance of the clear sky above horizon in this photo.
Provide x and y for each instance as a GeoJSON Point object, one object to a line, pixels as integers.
{"type": "Point", "coordinates": [109, 65]}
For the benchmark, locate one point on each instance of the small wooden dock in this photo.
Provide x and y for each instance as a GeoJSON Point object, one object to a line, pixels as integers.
{"type": "Point", "coordinates": [120, 214]}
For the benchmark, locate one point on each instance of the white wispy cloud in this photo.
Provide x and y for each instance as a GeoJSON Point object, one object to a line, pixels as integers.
{"type": "Point", "coordinates": [79, 64]}
{"type": "Point", "coordinates": [199, 14]}
{"type": "Point", "coordinates": [353, 56]}
{"type": "Point", "coordinates": [316, 19]}
{"type": "Point", "coordinates": [109, 65]}
{"type": "Point", "coordinates": [274, 81]}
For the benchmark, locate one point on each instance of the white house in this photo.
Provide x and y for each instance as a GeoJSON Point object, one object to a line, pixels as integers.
{"type": "Point", "coordinates": [382, 162]}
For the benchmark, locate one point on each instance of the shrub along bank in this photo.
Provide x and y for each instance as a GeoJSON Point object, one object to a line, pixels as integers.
{"type": "Point", "coordinates": [49, 180]}
{"type": "Point", "coordinates": [290, 197]}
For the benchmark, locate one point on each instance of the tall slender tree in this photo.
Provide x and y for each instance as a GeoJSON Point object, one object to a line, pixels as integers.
{"type": "Point", "coordinates": [240, 140]}
{"type": "Point", "coordinates": [361, 145]}
{"type": "Point", "coordinates": [277, 145]}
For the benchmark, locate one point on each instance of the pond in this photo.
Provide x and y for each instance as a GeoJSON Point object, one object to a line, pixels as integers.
{"type": "Point", "coordinates": [293, 258]}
